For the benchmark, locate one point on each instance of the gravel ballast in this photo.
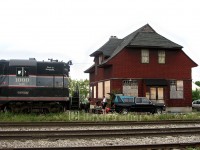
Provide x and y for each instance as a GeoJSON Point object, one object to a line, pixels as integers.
{"type": "Point", "coordinates": [103, 141]}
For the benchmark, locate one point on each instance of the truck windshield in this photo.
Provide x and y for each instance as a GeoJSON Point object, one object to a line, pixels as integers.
{"type": "Point", "coordinates": [119, 100]}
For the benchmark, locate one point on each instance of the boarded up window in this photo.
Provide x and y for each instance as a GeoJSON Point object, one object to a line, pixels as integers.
{"type": "Point", "coordinates": [176, 89]}
{"type": "Point", "coordinates": [160, 93]}
{"type": "Point", "coordinates": [145, 56]}
{"type": "Point", "coordinates": [100, 90]}
{"type": "Point", "coordinates": [94, 92]}
{"type": "Point", "coordinates": [153, 93]}
{"type": "Point", "coordinates": [130, 87]}
{"type": "Point", "coordinates": [107, 88]}
{"type": "Point", "coordinates": [179, 85]}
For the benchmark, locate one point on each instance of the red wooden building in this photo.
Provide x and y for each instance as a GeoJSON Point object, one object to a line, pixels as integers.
{"type": "Point", "coordinates": [143, 63]}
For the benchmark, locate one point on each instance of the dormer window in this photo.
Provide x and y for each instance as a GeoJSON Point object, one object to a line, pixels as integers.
{"type": "Point", "coordinates": [145, 56]}
{"type": "Point", "coordinates": [100, 59]}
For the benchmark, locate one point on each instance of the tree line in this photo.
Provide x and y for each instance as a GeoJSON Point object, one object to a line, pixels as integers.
{"type": "Point", "coordinates": [196, 92]}
{"type": "Point", "coordinates": [79, 86]}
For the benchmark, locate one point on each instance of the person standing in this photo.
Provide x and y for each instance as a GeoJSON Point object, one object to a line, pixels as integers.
{"type": "Point", "coordinates": [104, 105]}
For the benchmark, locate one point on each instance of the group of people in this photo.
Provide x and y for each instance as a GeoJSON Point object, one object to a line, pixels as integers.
{"type": "Point", "coordinates": [85, 105]}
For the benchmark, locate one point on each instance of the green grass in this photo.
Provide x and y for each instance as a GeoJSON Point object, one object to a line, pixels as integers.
{"type": "Point", "coordinates": [197, 148]}
{"type": "Point", "coordinates": [70, 116]}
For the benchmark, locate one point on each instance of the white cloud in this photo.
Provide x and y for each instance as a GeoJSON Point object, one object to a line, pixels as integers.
{"type": "Point", "coordinates": [73, 29]}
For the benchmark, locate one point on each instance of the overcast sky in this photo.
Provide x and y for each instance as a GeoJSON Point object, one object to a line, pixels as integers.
{"type": "Point", "coordinates": [73, 29]}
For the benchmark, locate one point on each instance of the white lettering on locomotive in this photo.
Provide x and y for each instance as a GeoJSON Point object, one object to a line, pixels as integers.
{"type": "Point", "coordinates": [23, 92]}
{"type": "Point", "coordinates": [24, 80]}
{"type": "Point", "coordinates": [50, 68]}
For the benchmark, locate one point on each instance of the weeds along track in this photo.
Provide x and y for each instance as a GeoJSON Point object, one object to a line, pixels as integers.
{"type": "Point", "coordinates": [103, 135]}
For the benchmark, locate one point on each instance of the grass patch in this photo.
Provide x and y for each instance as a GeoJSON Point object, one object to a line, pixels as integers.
{"type": "Point", "coordinates": [75, 116]}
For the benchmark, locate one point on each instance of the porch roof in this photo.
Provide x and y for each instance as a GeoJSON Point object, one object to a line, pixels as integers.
{"type": "Point", "coordinates": [155, 82]}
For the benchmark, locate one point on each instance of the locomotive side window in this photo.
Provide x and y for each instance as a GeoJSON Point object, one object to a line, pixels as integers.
{"type": "Point", "coordinates": [22, 72]}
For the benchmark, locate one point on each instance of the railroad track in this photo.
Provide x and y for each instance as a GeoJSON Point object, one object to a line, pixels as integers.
{"type": "Point", "coordinates": [54, 136]}
{"type": "Point", "coordinates": [13, 135]}
{"type": "Point", "coordinates": [109, 123]}
{"type": "Point", "coordinates": [177, 146]}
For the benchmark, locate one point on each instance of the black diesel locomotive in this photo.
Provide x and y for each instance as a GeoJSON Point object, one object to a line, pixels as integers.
{"type": "Point", "coordinates": [34, 86]}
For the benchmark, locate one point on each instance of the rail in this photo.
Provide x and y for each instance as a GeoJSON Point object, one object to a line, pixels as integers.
{"type": "Point", "coordinates": [109, 123]}
{"type": "Point", "coordinates": [99, 134]}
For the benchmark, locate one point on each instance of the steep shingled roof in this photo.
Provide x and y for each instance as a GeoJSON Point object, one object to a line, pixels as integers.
{"type": "Point", "coordinates": [91, 69]}
{"type": "Point", "coordinates": [147, 37]}
{"type": "Point", "coordinates": [108, 48]}
{"type": "Point", "coordinates": [144, 37]}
